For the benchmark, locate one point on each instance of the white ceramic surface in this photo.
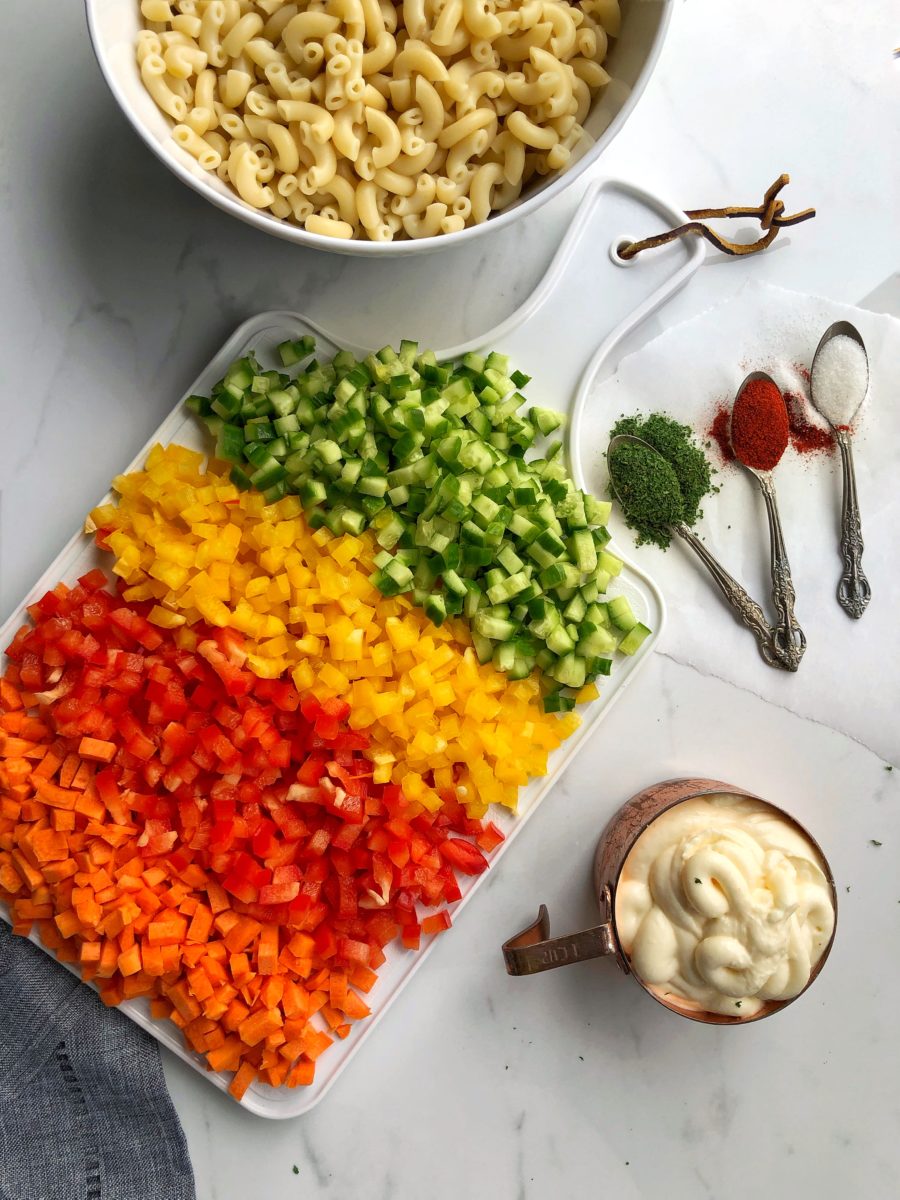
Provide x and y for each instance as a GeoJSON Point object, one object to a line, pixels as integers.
{"type": "Point", "coordinates": [118, 281]}
{"type": "Point", "coordinates": [114, 25]}
{"type": "Point", "coordinates": [582, 261]}
{"type": "Point", "coordinates": [261, 335]}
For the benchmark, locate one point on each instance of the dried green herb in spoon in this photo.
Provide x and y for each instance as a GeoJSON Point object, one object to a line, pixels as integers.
{"type": "Point", "coordinates": [688, 462]}
{"type": "Point", "coordinates": [648, 491]}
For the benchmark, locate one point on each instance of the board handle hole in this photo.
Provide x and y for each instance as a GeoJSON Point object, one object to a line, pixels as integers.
{"type": "Point", "coordinates": [616, 247]}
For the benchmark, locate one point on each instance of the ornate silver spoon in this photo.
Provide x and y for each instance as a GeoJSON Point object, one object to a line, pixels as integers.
{"type": "Point", "coordinates": [853, 591]}
{"type": "Point", "coordinates": [742, 604]}
{"type": "Point", "coordinates": [789, 639]}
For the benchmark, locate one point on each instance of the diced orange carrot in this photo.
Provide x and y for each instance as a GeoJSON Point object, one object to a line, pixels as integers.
{"type": "Point", "coordinates": [315, 1042]}
{"type": "Point", "coordinates": [272, 990]}
{"type": "Point", "coordinates": [68, 770]}
{"type": "Point", "coordinates": [363, 978]}
{"type": "Point", "coordinates": [275, 1075]}
{"type": "Point", "coordinates": [138, 984]}
{"type": "Point", "coordinates": [49, 764]}
{"type": "Point", "coordinates": [259, 1025]}
{"type": "Point", "coordinates": [15, 747]}
{"type": "Point", "coordinates": [67, 923]}
{"type": "Point", "coordinates": [109, 957]}
{"type": "Point", "coordinates": [245, 1075]}
{"type": "Point", "coordinates": [183, 1001]}
{"type": "Point", "coordinates": [64, 821]}
{"type": "Point", "coordinates": [316, 1002]}
{"type": "Point", "coordinates": [201, 925]}
{"type": "Point", "coordinates": [97, 750]}
{"type": "Point", "coordinates": [242, 934]}
{"type": "Point", "coordinates": [9, 696]}
{"type": "Point", "coordinates": [332, 1017]}
{"type": "Point", "coordinates": [129, 960]}
{"type": "Point", "coordinates": [294, 1000]}
{"type": "Point", "coordinates": [227, 1056]}
{"type": "Point", "coordinates": [49, 845]}
{"type": "Point", "coordinates": [218, 897]}
{"type": "Point", "coordinates": [192, 954]}
{"type": "Point", "coordinates": [267, 950]}
{"type": "Point", "coordinates": [56, 797]}
{"type": "Point", "coordinates": [199, 982]}
{"type": "Point", "coordinates": [301, 1074]}
{"type": "Point", "coordinates": [167, 931]}
{"type": "Point", "coordinates": [152, 960]}
{"type": "Point", "coordinates": [235, 1014]}
{"type": "Point", "coordinates": [337, 989]}
{"type": "Point", "coordinates": [354, 1006]}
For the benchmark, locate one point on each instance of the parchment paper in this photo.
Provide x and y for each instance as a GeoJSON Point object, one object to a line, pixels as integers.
{"type": "Point", "coordinates": [850, 675]}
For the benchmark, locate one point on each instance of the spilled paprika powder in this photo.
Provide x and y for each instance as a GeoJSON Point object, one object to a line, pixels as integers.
{"type": "Point", "coordinates": [806, 438]}
{"type": "Point", "coordinates": [759, 425]}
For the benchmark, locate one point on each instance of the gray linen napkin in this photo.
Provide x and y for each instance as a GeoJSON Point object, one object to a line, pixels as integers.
{"type": "Point", "coordinates": [84, 1110]}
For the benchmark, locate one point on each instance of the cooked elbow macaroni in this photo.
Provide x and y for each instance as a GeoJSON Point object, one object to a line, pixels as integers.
{"type": "Point", "coordinates": [376, 119]}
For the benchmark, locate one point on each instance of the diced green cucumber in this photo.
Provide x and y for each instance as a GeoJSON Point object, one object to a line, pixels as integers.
{"type": "Point", "coordinates": [610, 563]}
{"type": "Point", "coordinates": [621, 614]}
{"type": "Point", "coordinates": [295, 351]}
{"type": "Point", "coordinates": [560, 641]}
{"type": "Point", "coordinates": [436, 608]}
{"type": "Point", "coordinates": [431, 457]}
{"type": "Point", "coordinates": [575, 609]}
{"type": "Point", "coordinates": [498, 629]}
{"type": "Point", "coordinates": [558, 701]}
{"type": "Point", "coordinates": [545, 420]}
{"type": "Point", "coordinates": [634, 638]}
{"type": "Point", "coordinates": [569, 671]}
{"type": "Point", "coordinates": [581, 547]}
{"type": "Point", "coordinates": [596, 511]}
{"type": "Point", "coordinates": [594, 640]}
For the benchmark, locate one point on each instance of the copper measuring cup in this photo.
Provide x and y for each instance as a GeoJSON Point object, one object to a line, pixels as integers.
{"type": "Point", "coordinates": [534, 950]}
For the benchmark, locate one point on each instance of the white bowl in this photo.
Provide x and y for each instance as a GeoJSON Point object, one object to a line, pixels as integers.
{"type": "Point", "coordinates": [114, 25]}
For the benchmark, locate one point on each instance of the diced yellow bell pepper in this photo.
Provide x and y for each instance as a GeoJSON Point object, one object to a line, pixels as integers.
{"type": "Point", "coordinates": [200, 550]}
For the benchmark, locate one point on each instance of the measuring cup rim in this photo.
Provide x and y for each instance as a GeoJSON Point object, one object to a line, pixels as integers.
{"type": "Point", "coordinates": [658, 799]}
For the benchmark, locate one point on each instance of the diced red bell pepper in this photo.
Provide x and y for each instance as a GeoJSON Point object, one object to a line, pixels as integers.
{"type": "Point", "coordinates": [463, 856]}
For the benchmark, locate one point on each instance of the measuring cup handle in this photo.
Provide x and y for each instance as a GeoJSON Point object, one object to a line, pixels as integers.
{"type": "Point", "coordinates": [534, 950]}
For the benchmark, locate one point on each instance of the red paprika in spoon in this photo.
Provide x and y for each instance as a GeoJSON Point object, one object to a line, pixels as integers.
{"type": "Point", "coordinates": [759, 425]}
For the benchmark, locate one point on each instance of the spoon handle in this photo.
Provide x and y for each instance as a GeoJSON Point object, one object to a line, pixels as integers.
{"type": "Point", "coordinates": [853, 592]}
{"type": "Point", "coordinates": [789, 638]}
{"type": "Point", "coordinates": [745, 607]}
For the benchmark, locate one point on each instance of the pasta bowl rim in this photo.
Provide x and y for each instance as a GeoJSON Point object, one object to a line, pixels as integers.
{"type": "Point", "coordinates": [297, 235]}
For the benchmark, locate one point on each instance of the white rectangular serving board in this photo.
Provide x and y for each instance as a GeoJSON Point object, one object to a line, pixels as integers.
{"type": "Point", "coordinates": [262, 334]}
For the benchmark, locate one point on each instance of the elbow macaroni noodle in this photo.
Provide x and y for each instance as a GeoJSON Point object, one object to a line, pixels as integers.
{"type": "Point", "coordinates": [375, 119]}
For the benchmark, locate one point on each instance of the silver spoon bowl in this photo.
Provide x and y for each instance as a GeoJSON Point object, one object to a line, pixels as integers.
{"type": "Point", "coordinates": [853, 591]}
{"type": "Point", "coordinates": [788, 637]}
{"type": "Point", "coordinates": [742, 604]}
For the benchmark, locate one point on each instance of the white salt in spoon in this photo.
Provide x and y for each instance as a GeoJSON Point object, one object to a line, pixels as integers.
{"type": "Point", "coordinates": [838, 383]}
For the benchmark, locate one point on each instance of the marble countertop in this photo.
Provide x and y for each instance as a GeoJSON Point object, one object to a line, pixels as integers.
{"type": "Point", "coordinates": [118, 284]}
